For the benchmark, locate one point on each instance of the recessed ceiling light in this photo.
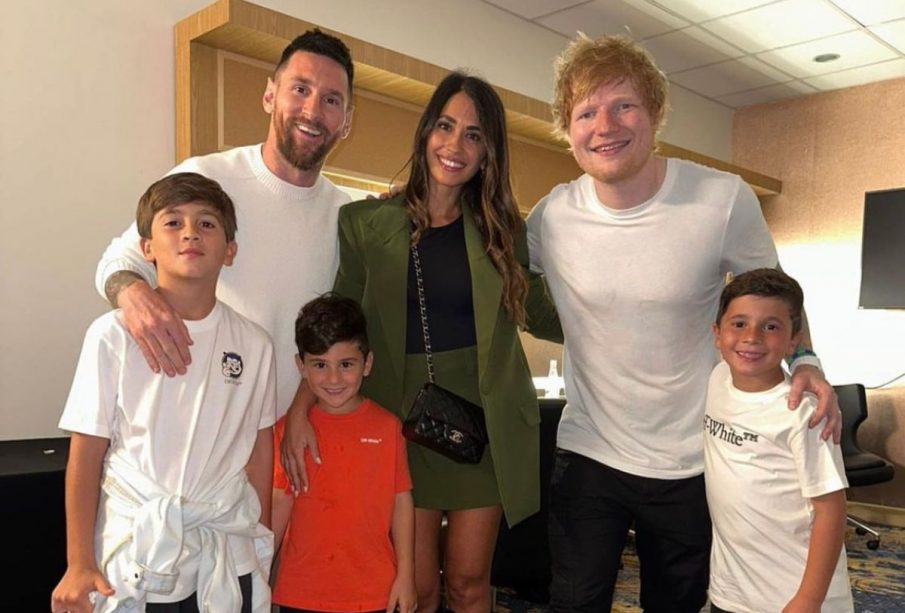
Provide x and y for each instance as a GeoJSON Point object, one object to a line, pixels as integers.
{"type": "Point", "coordinates": [826, 57]}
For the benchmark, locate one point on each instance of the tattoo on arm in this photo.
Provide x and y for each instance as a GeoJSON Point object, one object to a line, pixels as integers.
{"type": "Point", "coordinates": [117, 282]}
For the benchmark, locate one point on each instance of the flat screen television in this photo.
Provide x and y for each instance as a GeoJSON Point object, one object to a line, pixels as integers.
{"type": "Point", "coordinates": [883, 250]}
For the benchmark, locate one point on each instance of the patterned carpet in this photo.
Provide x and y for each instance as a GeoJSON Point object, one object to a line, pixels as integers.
{"type": "Point", "coordinates": [878, 578]}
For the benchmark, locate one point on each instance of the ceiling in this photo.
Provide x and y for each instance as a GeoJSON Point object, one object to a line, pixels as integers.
{"type": "Point", "coordinates": [743, 52]}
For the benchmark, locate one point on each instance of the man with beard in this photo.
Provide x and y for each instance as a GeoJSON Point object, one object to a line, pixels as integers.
{"type": "Point", "coordinates": [286, 210]}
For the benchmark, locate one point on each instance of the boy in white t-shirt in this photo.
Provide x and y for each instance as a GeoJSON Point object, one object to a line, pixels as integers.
{"type": "Point", "coordinates": [168, 481]}
{"type": "Point", "coordinates": [775, 489]}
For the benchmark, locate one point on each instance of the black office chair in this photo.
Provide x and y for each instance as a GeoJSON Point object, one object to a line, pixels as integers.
{"type": "Point", "coordinates": [861, 467]}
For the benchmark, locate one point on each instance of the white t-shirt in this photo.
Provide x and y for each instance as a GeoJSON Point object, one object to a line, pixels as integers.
{"type": "Point", "coordinates": [189, 434]}
{"type": "Point", "coordinates": [288, 249]}
{"type": "Point", "coordinates": [637, 291]}
{"type": "Point", "coordinates": [763, 464]}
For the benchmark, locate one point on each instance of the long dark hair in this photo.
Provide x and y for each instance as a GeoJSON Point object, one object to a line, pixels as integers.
{"type": "Point", "coordinates": [488, 194]}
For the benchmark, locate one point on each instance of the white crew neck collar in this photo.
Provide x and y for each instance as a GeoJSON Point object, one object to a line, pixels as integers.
{"type": "Point", "coordinates": [209, 321]}
{"type": "Point", "coordinates": [282, 188]}
{"type": "Point", "coordinates": [669, 178]}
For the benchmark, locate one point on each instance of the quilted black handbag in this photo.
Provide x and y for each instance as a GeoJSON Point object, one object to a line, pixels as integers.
{"type": "Point", "coordinates": [439, 419]}
{"type": "Point", "coordinates": [447, 423]}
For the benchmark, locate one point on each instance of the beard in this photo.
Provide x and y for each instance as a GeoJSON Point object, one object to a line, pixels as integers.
{"type": "Point", "coordinates": [301, 157]}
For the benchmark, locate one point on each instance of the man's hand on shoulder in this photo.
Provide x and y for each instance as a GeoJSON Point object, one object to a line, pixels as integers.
{"type": "Point", "coordinates": [811, 379]}
{"type": "Point", "coordinates": [159, 331]}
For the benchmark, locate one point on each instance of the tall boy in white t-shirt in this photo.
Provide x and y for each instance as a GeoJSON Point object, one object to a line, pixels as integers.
{"type": "Point", "coordinates": [168, 481]}
{"type": "Point", "coordinates": [775, 489]}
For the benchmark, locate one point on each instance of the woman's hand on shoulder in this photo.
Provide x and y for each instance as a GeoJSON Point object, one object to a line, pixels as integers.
{"type": "Point", "coordinates": [393, 190]}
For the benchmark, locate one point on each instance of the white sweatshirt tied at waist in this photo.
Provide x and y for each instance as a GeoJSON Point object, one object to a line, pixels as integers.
{"type": "Point", "coordinates": [151, 537]}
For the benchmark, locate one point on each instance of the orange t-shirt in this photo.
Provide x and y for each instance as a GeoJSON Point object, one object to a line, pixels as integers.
{"type": "Point", "coordinates": [337, 554]}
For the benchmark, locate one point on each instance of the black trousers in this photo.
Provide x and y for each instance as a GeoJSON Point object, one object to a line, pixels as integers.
{"type": "Point", "coordinates": [592, 507]}
{"type": "Point", "coordinates": [190, 604]}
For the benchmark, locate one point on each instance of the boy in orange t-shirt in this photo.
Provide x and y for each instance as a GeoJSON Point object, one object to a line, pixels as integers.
{"type": "Point", "coordinates": [349, 543]}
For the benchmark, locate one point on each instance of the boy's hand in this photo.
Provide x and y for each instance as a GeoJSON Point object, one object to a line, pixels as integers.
{"type": "Point", "coordinates": [800, 604]}
{"type": "Point", "coordinates": [403, 597]}
{"type": "Point", "coordinates": [159, 331]}
{"type": "Point", "coordinates": [71, 594]}
{"type": "Point", "coordinates": [811, 379]}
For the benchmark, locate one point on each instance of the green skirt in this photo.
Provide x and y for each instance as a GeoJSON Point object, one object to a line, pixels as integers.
{"type": "Point", "coordinates": [438, 482]}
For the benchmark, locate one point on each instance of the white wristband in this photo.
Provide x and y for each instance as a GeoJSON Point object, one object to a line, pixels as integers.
{"type": "Point", "coordinates": [805, 360]}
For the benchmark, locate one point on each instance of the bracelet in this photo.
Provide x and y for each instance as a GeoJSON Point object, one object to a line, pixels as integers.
{"type": "Point", "coordinates": [800, 352]}
{"type": "Point", "coordinates": [802, 356]}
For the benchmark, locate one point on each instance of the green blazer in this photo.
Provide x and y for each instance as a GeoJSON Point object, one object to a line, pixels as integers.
{"type": "Point", "coordinates": [373, 269]}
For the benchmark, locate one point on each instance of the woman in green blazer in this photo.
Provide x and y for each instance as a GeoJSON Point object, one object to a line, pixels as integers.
{"type": "Point", "coordinates": [459, 211]}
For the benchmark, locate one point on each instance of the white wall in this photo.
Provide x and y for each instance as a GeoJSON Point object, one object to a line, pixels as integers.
{"type": "Point", "coordinates": [87, 122]}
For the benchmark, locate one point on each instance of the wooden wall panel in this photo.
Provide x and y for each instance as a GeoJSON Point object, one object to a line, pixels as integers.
{"type": "Point", "coordinates": [204, 114]}
{"type": "Point", "coordinates": [380, 143]}
{"type": "Point", "coordinates": [537, 168]}
{"type": "Point", "coordinates": [241, 114]}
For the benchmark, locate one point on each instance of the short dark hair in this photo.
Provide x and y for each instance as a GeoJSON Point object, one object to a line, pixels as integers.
{"type": "Point", "coordinates": [319, 42]}
{"type": "Point", "coordinates": [180, 188]}
{"type": "Point", "coordinates": [768, 283]}
{"type": "Point", "coordinates": [327, 320]}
